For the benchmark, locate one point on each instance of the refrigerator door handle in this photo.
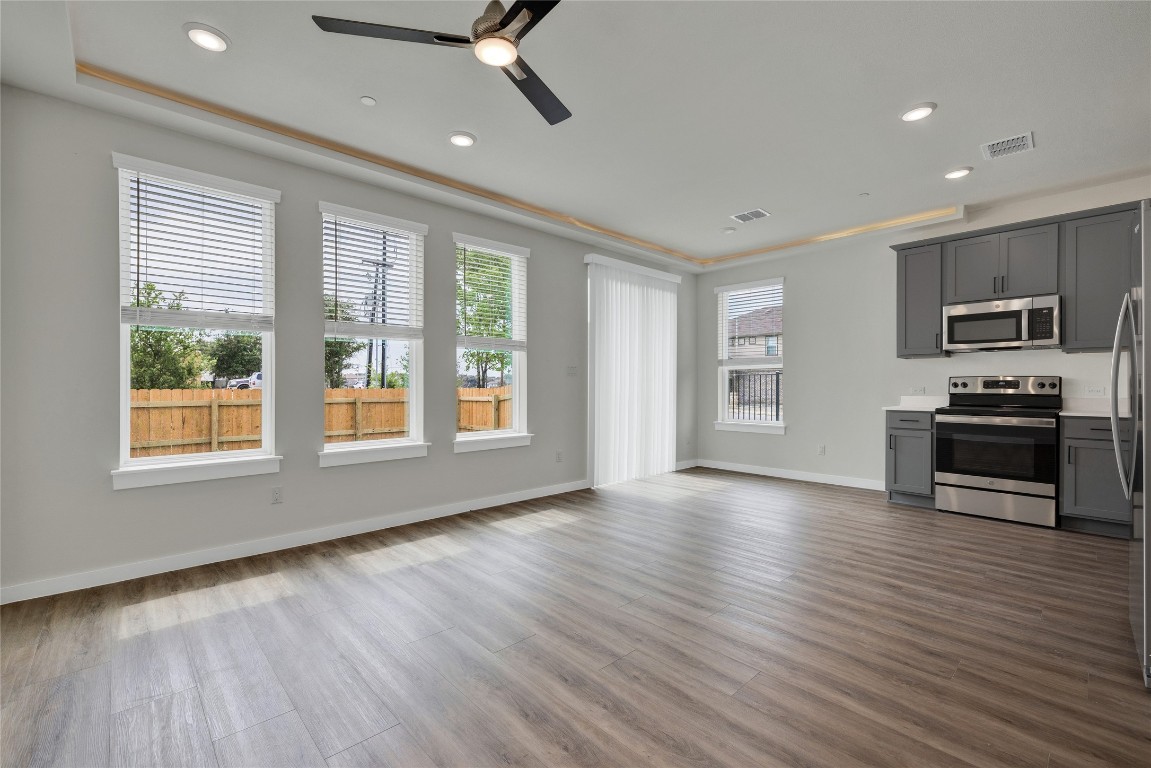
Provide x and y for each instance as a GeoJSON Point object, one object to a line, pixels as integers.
{"type": "Point", "coordinates": [1125, 477]}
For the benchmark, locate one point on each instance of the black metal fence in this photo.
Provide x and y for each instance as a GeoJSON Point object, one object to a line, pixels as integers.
{"type": "Point", "coordinates": [755, 395]}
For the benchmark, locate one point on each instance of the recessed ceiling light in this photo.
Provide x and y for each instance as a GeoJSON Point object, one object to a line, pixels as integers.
{"type": "Point", "coordinates": [728, 230]}
{"type": "Point", "coordinates": [919, 111]}
{"type": "Point", "coordinates": [208, 38]}
{"type": "Point", "coordinates": [958, 173]}
{"type": "Point", "coordinates": [367, 101]}
{"type": "Point", "coordinates": [865, 194]}
{"type": "Point", "coordinates": [496, 51]}
{"type": "Point", "coordinates": [462, 139]}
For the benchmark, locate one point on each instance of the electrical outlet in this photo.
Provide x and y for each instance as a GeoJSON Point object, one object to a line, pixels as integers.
{"type": "Point", "coordinates": [573, 370]}
{"type": "Point", "coordinates": [559, 457]}
{"type": "Point", "coordinates": [920, 390]}
{"type": "Point", "coordinates": [821, 450]}
{"type": "Point", "coordinates": [278, 495]}
{"type": "Point", "coordinates": [1096, 390]}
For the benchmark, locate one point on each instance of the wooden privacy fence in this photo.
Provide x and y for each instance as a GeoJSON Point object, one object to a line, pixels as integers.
{"type": "Point", "coordinates": [165, 422]}
{"type": "Point", "coordinates": [481, 409]}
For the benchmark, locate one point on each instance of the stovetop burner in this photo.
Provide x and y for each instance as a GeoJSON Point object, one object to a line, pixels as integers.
{"type": "Point", "coordinates": [982, 395]}
{"type": "Point", "coordinates": [1007, 410]}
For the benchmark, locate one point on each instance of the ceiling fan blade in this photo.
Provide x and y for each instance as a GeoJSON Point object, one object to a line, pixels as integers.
{"type": "Point", "coordinates": [366, 29]}
{"type": "Point", "coordinates": [537, 93]}
{"type": "Point", "coordinates": [537, 10]}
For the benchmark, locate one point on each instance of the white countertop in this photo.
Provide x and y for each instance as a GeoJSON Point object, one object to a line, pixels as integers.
{"type": "Point", "coordinates": [918, 403]}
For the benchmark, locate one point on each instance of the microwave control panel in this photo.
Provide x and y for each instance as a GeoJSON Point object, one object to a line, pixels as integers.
{"type": "Point", "coordinates": [1043, 323]}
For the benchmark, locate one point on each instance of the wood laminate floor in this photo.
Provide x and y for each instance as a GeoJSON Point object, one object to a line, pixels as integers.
{"type": "Point", "coordinates": [695, 619]}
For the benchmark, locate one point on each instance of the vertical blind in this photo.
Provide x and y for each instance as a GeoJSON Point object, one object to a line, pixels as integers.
{"type": "Point", "coordinates": [491, 296]}
{"type": "Point", "coordinates": [200, 256]}
{"type": "Point", "coordinates": [633, 340]}
{"type": "Point", "coordinates": [750, 312]}
{"type": "Point", "coordinates": [373, 275]}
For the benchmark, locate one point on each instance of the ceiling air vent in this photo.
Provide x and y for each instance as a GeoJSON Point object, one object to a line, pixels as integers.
{"type": "Point", "coordinates": [1024, 142]}
{"type": "Point", "coordinates": [758, 213]}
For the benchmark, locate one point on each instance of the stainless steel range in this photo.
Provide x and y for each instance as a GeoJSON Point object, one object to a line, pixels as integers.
{"type": "Point", "coordinates": [997, 447]}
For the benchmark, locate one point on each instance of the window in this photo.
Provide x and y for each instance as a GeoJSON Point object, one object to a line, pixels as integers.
{"type": "Point", "coordinates": [751, 376]}
{"type": "Point", "coordinates": [491, 344]}
{"type": "Point", "coordinates": [373, 336]}
{"type": "Point", "coordinates": [197, 310]}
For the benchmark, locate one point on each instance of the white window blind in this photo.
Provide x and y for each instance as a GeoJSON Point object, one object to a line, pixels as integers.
{"type": "Point", "coordinates": [751, 323]}
{"type": "Point", "coordinates": [209, 253]}
{"type": "Point", "coordinates": [373, 275]}
{"type": "Point", "coordinates": [491, 295]}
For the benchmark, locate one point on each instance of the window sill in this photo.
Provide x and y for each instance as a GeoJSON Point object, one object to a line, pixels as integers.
{"type": "Point", "coordinates": [492, 441]}
{"type": "Point", "coordinates": [169, 473]}
{"type": "Point", "coordinates": [763, 427]}
{"type": "Point", "coordinates": [364, 454]}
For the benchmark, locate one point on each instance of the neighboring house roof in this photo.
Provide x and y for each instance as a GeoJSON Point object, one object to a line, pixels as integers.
{"type": "Point", "coordinates": [765, 321]}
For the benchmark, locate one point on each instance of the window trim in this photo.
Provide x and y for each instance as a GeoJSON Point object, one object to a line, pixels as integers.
{"type": "Point", "coordinates": [384, 449]}
{"type": "Point", "coordinates": [143, 471]}
{"type": "Point", "coordinates": [749, 363]}
{"type": "Point", "coordinates": [518, 435]}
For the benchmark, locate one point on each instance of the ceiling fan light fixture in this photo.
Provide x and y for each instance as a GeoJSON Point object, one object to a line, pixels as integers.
{"type": "Point", "coordinates": [208, 38]}
{"type": "Point", "coordinates": [462, 139]}
{"type": "Point", "coordinates": [496, 51]}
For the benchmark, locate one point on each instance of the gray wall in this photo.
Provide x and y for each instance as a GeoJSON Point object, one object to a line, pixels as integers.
{"type": "Point", "coordinates": [840, 367]}
{"type": "Point", "coordinates": [60, 358]}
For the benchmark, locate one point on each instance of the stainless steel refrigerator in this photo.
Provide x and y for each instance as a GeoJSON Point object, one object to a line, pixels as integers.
{"type": "Point", "coordinates": [1127, 355]}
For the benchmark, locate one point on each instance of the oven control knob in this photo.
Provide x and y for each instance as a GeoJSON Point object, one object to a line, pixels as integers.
{"type": "Point", "coordinates": [964, 385]}
{"type": "Point", "coordinates": [1042, 385]}
{"type": "Point", "coordinates": [955, 385]}
{"type": "Point", "coordinates": [1053, 384]}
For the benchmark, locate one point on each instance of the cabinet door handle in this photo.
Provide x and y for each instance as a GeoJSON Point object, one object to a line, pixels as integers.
{"type": "Point", "coordinates": [1003, 284]}
{"type": "Point", "coordinates": [937, 341]}
{"type": "Point", "coordinates": [1069, 449]}
{"type": "Point", "coordinates": [995, 284]}
{"type": "Point", "coordinates": [891, 442]}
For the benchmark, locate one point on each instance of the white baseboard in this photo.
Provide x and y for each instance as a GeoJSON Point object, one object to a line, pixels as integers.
{"type": "Point", "coordinates": [795, 474]}
{"type": "Point", "coordinates": [686, 464]}
{"type": "Point", "coordinates": [115, 573]}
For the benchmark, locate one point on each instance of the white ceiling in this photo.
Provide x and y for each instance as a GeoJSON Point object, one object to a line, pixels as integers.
{"type": "Point", "coordinates": [684, 112]}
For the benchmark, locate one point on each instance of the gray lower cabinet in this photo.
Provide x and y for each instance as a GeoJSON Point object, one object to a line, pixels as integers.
{"type": "Point", "coordinates": [1091, 497]}
{"type": "Point", "coordinates": [919, 313]}
{"type": "Point", "coordinates": [1099, 264]}
{"type": "Point", "coordinates": [910, 452]}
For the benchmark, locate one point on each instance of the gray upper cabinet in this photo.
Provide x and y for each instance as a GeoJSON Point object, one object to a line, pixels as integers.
{"type": "Point", "coordinates": [920, 308]}
{"type": "Point", "coordinates": [1022, 262]}
{"type": "Point", "coordinates": [1029, 262]}
{"type": "Point", "coordinates": [1098, 269]}
{"type": "Point", "coordinates": [971, 269]}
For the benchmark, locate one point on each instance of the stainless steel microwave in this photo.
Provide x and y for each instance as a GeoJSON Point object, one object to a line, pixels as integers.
{"type": "Point", "coordinates": [1003, 324]}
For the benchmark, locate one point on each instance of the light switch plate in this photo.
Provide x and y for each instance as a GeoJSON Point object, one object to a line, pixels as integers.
{"type": "Point", "coordinates": [919, 390]}
{"type": "Point", "coordinates": [1096, 390]}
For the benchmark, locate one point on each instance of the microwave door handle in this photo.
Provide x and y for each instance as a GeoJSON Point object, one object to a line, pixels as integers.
{"type": "Point", "coordinates": [1116, 439]}
{"type": "Point", "coordinates": [1026, 323]}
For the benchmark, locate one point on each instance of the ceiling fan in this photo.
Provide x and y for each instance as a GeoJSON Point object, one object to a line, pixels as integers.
{"type": "Point", "coordinates": [495, 38]}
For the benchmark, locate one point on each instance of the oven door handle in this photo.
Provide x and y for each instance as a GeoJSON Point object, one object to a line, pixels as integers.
{"type": "Point", "coordinates": [1009, 421]}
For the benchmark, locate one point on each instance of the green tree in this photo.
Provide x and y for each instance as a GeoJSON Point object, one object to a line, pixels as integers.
{"type": "Point", "coordinates": [484, 308]}
{"type": "Point", "coordinates": [164, 358]}
{"type": "Point", "coordinates": [395, 379]}
{"type": "Point", "coordinates": [235, 355]}
{"type": "Point", "coordinates": [337, 352]}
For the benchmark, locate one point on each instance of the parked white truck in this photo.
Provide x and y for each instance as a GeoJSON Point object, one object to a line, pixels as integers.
{"type": "Point", "coordinates": [255, 381]}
